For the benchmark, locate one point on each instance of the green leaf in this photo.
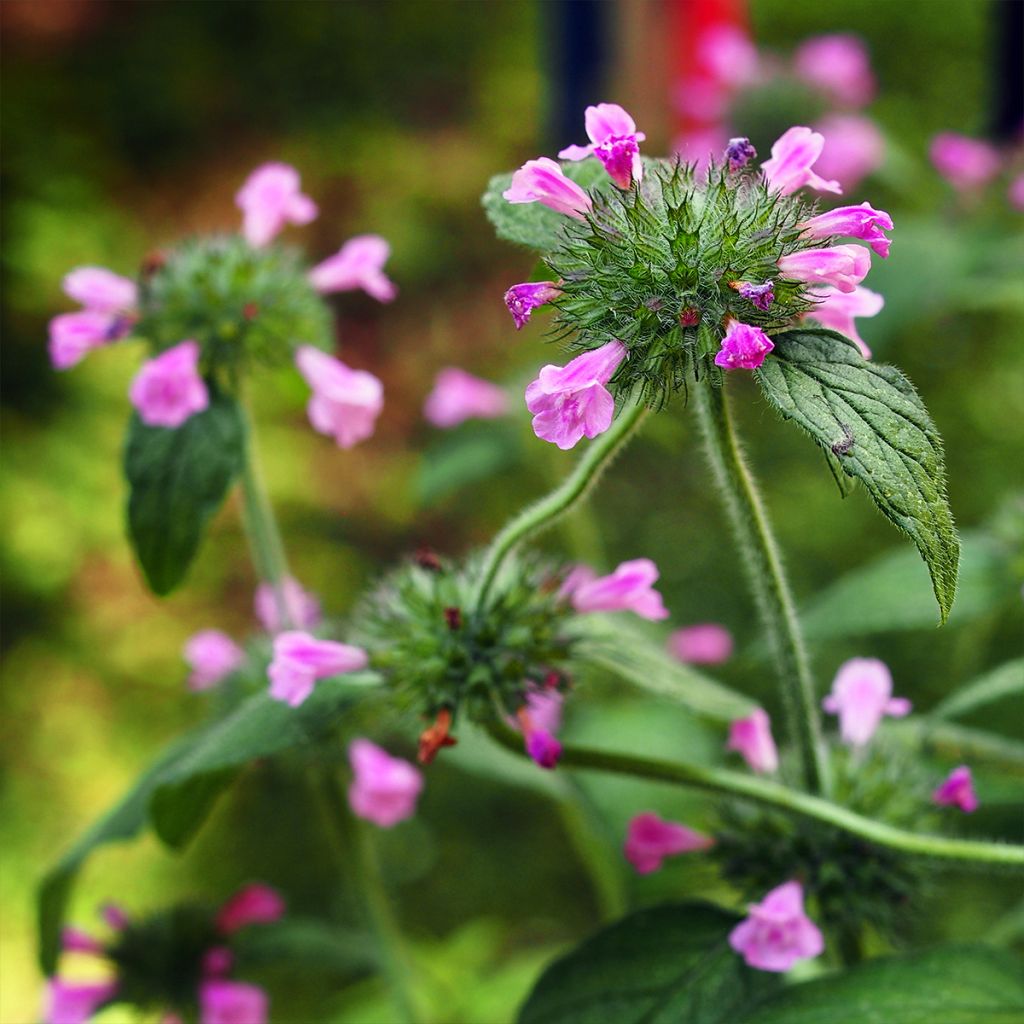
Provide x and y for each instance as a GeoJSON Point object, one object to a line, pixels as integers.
{"type": "Point", "coordinates": [1005, 681]}
{"type": "Point", "coordinates": [178, 479]}
{"type": "Point", "coordinates": [872, 419]}
{"type": "Point", "coordinates": [951, 985]}
{"type": "Point", "coordinates": [463, 458]}
{"type": "Point", "coordinates": [531, 224]}
{"type": "Point", "coordinates": [665, 965]}
{"type": "Point", "coordinates": [306, 943]}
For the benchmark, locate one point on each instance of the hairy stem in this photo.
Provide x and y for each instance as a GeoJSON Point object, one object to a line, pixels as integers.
{"type": "Point", "coordinates": [766, 577]}
{"type": "Point", "coordinates": [770, 794]}
{"type": "Point", "coordinates": [572, 490]}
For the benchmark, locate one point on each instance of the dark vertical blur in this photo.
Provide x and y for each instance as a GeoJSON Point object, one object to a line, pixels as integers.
{"type": "Point", "coordinates": [1008, 70]}
{"type": "Point", "coordinates": [578, 56]}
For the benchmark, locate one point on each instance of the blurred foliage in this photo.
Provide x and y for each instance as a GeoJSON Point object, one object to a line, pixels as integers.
{"type": "Point", "coordinates": [128, 124]}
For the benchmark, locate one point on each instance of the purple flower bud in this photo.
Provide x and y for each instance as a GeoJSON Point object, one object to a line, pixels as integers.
{"type": "Point", "coordinates": [761, 296]}
{"type": "Point", "coordinates": [543, 748]}
{"type": "Point", "coordinates": [523, 299]}
{"type": "Point", "coordinates": [739, 153]}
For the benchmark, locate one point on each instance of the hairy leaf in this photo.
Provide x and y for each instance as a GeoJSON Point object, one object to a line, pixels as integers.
{"type": "Point", "coordinates": [870, 417]}
{"type": "Point", "coordinates": [178, 479]}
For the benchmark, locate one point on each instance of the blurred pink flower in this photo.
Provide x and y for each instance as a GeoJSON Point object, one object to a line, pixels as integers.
{"type": "Point", "coordinates": [543, 748]}
{"type": "Point", "coordinates": [614, 141]}
{"type": "Point", "coordinates": [1016, 192]}
{"type": "Point", "coordinates": [706, 643]}
{"type": "Point", "coordinates": [74, 940]}
{"type": "Point", "coordinates": [629, 588]}
{"type": "Point", "coordinates": [74, 1002]}
{"type": "Point", "coordinates": [793, 155]}
{"type": "Point", "coordinates": [459, 396]}
{"type": "Point", "coordinates": [545, 708]}
{"type": "Point", "coordinates": [838, 65]}
{"type": "Point", "coordinates": [863, 222]}
{"type": "Point", "coordinates": [543, 181]}
{"type": "Point", "coordinates": [538, 720]}
{"type": "Point", "coordinates": [212, 655]}
{"type": "Point", "coordinates": [252, 904]}
{"type": "Point", "coordinates": [743, 347]}
{"type": "Point", "coordinates": [842, 266]}
{"type": "Point", "coordinates": [270, 199]}
{"type": "Point", "coordinates": [576, 577]}
{"type": "Point", "coordinates": [168, 389]}
{"type": "Point", "coordinates": [523, 299]}
{"type": "Point", "coordinates": [650, 839]}
{"type": "Point", "coordinates": [854, 147]}
{"type": "Point", "coordinates": [101, 290]}
{"type": "Point", "coordinates": [957, 791]}
{"type": "Point", "coordinates": [571, 402]}
{"type": "Point", "coordinates": [752, 738]}
{"type": "Point", "coordinates": [965, 163]}
{"type": "Point", "coordinates": [385, 788]}
{"type": "Point", "coordinates": [302, 607]}
{"type": "Point", "coordinates": [346, 402]}
{"type": "Point", "coordinates": [217, 962]}
{"type": "Point", "coordinates": [359, 263]}
{"type": "Point", "coordinates": [75, 335]}
{"type": "Point", "coordinates": [727, 52]}
{"type": "Point", "coordinates": [300, 660]}
{"type": "Point", "coordinates": [232, 1002]}
{"type": "Point", "coordinates": [861, 695]}
{"type": "Point", "coordinates": [777, 933]}
{"type": "Point", "coordinates": [837, 311]}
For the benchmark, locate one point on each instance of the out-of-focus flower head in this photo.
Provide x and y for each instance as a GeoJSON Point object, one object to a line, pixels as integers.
{"type": "Point", "coordinates": [839, 66]}
{"type": "Point", "coordinates": [271, 198]}
{"type": "Point", "coordinates": [459, 396]}
{"type": "Point", "coordinates": [345, 402]}
{"type": "Point", "coordinates": [967, 164]}
{"type": "Point", "coordinates": [384, 789]}
{"type": "Point", "coordinates": [650, 839]}
{"type": "Point", "coordinates": [861, 695]}
{"type": "Point", "coordinates": [777, 933]}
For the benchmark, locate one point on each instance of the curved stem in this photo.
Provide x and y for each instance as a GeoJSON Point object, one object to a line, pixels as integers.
{"type": "Point", "coordinates": [766, 577]}
{"type": "Point", "coordinates": [771, 794]}
{"type": "Point", "coordinates": [573, 489]}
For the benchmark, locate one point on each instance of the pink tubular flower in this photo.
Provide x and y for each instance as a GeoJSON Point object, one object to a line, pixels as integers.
{"type": "Point", "coordinates": [252, 904]}
{"type": "Point", "coordinates": [861, 695]}
{"type": "Point", "coordinates": [300, 660]}
{"type": "Point", "coordinates": [523, 299]}
{"type": "Point", "coordinates": [842, 266]}
{"type": "Point", "coordinates": [538, 720]}
{"type": "Point", "coordinates": [545, 708]}
{"type": "Point", "coordinates": [837, 65]}
{"type": "Point", "coordinates": [863, 222]}
{"type": "Point", "coordinates": [571, 402]}
{"type": "Point", "coordinates": [385, 788]}
{"type": "Point", "coordinates": [459, 396]}
{"type": "Point", "coordinates": [101, 290]}
{"type": "Point", "coordinates": [359, 263]}
{"type": "Point", "coordinates": [614, 141]}
{"type": "Point", "coordinates": [543, 748]}
{"type": "Point", "coordinates": [705, 644]}
{"type": "Point", "coordinates": [212, 656]}
{"type": "Point", "coordinates": [743, 347]}
{"type": "Point", "coordinates": [628, 588]}
{"type": "Point", "coordinates": [75, 335]}
{"type": "Point", "coordinates": [650, 839]}
{"type": "Point", "coordinates": [838, 310]}
{"type": "Point", "coordinates": [793, 155]}
{"type": "Point", "coordinates": [302, 607]}
{"type": "Point", "coordinates": [346, 402]}
{"type": "Point", "coordinates": [168, 389]}
{"type": "Point", "coordinates": [543, 181]}
{"type": "Point", "coordinates": [232, 1002]}
{"type": "Point", "coordinates": [778, 933]}
{"type": "Point", "coordinates": [752, 738]}
{"type": "Point", "coordinates": [854, 147]}
{"type": "Point", "coordinates": [74, 1002]}
{"type": "Point", "coordinates": [964, 162]}
{"type": "Point", "coordinates": [957, 791]}
{"type": "Point", "coordinates": [270, 199]}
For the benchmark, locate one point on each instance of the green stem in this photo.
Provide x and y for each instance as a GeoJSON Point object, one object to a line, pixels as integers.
{"type": "Point", "coordinates": [766, 577]}
{"type": "Point", "coordinates": [771, 794]}
{"type": "Point", "coordinates": [573, 489]}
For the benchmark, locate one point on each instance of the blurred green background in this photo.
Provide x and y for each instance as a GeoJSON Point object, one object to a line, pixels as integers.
{"type": "Point", "coordinates": [127, 125]}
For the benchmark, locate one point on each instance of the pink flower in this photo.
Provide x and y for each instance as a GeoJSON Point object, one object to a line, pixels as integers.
{"type": "Point", "coordinates": [459, 396]}
{"type": "Point", "coordinates": [793, 155]}
{"type": "Point", "coordinates": [252, 904]}
{"type": "Point", "coordinates": [842, 266]}
{"type": "Point", "coordinates": [542, 747]}
{"type": "Point", "coordinates": [965, 163]}
{"type": "Point", "coordinates": [359, 263]}
{"type": "Point", "coordinates": [571, 402]}
{"type": "Point", "coordinates": [232, 1002]}
{"type": "Point", "coordinates": [545, 708]}
{"type": "Point", "coordinates": [346, 402]}
{"type": "Point", "coordinates": [538, 720]}
{"type": "Point", "coordinates": [614, 141]}
{"type": "Point", "coordinates": [212, 656]}
{"type": "Point", "coordinates": [854, 147]}
{"type": "Point", "coordinates": [650, 839]}
{"type": "Point", "coordinates": [837, 311]}
{"type": "Point", "coordinates": [577, 576]}
{"type": "Point", "coordinates": [743, 347]}
{"type": "Point", "coordinates": [74, 335]}
{"type": "Point", "coordinates": [752, 737]}
{"type": "Point", "coordinates": [300, 660]}
{"type": "Point", "coordinates": [302, 607]}
{"type": "Point", "coordinates": [101, 290]}
{"type": "Point", "coordinates": [74, 940]}
{"type": "Point", "coordinates": [705, 644]}
{"type": "Point", "coordinates": [74, 1002]}
{"type": "Point", "coordinates": [778, 933]}
{"type": "Point", "coordinates": [523, 299]}
{"type": "Point", "coordinates": [838, 65]}
{"type": "Point", "coordinates": [542, 181]}
{"type": "Point", "coordinates": [168, 389]}
{"type": "Point", "coordinates": [1016, 192]}
{"type": "Point", "coordinates": [270, 199]}
{"type": "Point", "coordinates": [628, 588]}
{"type": "Point", "coordinates": [729, 55]}
{"type": "Point", "coordinates": [863, 222]}
{"type": "Point", "coordinates": [385, 788]}
{"type": "Point", "coordinates": [958, 791]}
{"type": "Point", "coordinates": [861, 695]}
